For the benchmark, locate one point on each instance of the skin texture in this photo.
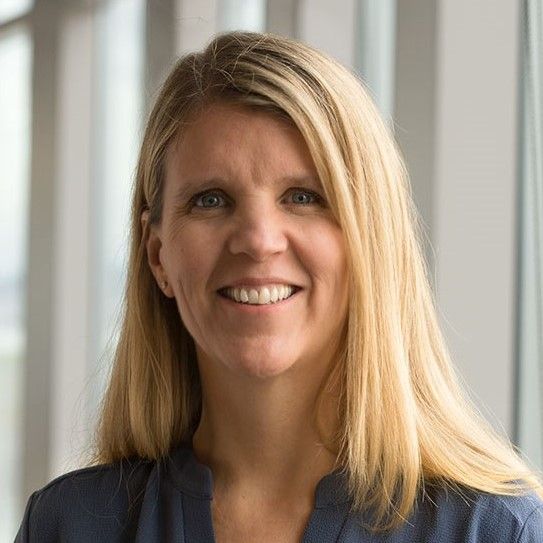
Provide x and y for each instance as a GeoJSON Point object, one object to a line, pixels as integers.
{"type": "Point", "coordinates": [261, 367]}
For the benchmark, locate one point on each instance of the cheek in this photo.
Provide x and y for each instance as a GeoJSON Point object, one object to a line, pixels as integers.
{"type": "Point", "coordinates": [193, 257]}
{"type": "Point", "coordinates": [333, 258]}
{"type": "Point", "coordinates": [325, 250]}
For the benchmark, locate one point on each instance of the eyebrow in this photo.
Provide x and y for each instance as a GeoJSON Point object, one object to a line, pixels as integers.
{"type": "Point", "coordinates": [192, 185]}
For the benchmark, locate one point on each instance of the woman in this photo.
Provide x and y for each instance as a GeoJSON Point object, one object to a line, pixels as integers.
{"type": "Point", "coordinates": [280, 374]}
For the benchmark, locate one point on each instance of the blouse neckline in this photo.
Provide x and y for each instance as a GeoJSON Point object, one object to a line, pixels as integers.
{"type": "Point", "coordinates": [192, 477]}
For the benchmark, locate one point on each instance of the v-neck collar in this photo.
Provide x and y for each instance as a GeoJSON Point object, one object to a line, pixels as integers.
{"type": "Point", "coordinates": [196, 479]}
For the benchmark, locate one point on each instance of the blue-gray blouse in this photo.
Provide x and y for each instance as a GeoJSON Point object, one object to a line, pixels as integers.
{"type": "Point", "coordinates": [170, 501]}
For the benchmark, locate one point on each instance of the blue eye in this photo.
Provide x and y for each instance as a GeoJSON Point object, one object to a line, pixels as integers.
{"type": "Point", "coordinates": [308, 197]}
{"type": "Point", "coordinates": [207, 199]}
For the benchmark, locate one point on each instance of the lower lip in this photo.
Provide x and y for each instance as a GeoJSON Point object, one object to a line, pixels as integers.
{"type": "Point", "coordinates": [255, 308]}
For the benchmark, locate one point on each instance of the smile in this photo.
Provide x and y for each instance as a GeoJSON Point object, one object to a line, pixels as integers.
{"type": "Point", "coordinates": [265, 295]}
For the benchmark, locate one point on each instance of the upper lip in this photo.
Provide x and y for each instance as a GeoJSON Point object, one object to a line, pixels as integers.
{"type": "Point", "coordinates": [259, 281]}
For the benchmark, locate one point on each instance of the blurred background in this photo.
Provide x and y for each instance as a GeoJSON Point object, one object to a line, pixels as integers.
{"type": "Point", "coordinates": [460, 83]}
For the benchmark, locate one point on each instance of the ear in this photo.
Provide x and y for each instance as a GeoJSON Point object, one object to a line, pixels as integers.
{"type": "Point", "coordinates": [153, 246]}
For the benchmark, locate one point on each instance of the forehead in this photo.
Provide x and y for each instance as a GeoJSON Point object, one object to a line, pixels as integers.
{"type": "Point", "coordinates": [233, 139]}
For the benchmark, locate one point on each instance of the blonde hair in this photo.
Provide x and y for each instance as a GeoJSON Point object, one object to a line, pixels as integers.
{"type": "Point", "coordinates": [405, 420]}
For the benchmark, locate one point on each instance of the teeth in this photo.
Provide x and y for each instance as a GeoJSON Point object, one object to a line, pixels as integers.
{"type": "Point", "coordinates": [262, 296]}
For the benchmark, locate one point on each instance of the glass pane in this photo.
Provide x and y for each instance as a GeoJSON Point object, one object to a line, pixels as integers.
{"type": "Point", "coordinates": [15, 55]}
{"type": "Point", "coordinates": [375, 51]}
{"type": "Point", "coordinates": [530, 344]}
{"type": "Point", "coordinates": [9, 9]}
{"type": "Point", "coordinates": [242, 15]}
{"type": "Point", "coordinates": [119, 84]}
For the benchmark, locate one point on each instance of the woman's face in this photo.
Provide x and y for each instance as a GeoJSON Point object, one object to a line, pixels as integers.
{"type": "Point", "coordinates": [243, 207]}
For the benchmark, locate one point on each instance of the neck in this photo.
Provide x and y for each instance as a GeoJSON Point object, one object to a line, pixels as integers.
{"type": "Point", "coordinates": [265, 436]}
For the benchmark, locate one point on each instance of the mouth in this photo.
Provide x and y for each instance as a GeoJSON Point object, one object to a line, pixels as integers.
{"type": "Point", "coordinates": [265, 296]}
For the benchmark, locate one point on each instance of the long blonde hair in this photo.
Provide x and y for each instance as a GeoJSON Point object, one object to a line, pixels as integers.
{"type": "Point", "coordinates": [405, 420]}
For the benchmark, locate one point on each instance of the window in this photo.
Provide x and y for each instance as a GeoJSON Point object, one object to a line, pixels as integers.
{"type": "Point", "coordinates": [530, 325]}
{"type": "Point", "coordinates": [15, 110]}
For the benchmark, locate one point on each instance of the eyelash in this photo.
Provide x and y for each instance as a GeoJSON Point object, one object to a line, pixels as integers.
{"type": "Point", "coordinates": [192, 202]}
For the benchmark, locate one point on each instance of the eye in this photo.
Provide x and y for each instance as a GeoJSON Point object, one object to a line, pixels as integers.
{"type": "Point", "coordinates": [208, 199]}
{"type": "Point", "coordinates": [305, 197]}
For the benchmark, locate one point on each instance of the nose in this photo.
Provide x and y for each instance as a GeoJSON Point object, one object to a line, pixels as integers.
{"type": "Point", "coordinates": [258, 232]}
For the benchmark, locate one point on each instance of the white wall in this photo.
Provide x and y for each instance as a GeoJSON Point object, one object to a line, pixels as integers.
{"type": "Point", "coordinates": [457, 112]}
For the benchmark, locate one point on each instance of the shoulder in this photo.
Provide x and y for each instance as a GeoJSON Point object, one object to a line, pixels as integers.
{"type": "Point", "coordinates": [466, 515]}
{"type": "Point", "coordinates": [463, 515]}
{"type": "Point", "coordinates": [72, 503]}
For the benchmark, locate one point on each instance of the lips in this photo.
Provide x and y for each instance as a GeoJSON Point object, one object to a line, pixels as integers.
{"type": "Point", "coordinates": [244, 289]}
